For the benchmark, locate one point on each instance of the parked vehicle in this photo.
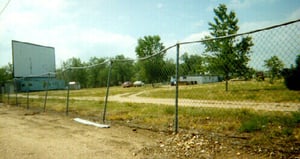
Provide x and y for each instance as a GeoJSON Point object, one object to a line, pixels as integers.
{"type": "Point", "coordinates": [127, 84]}
{"type": "Point", "coordinates": [138, 83]}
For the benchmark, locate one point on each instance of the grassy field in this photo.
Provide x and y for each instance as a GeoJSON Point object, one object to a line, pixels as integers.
{"type": "Point", "coordinates": [254, 91]}
{"type": "Point", "coordinates": [262, 127]}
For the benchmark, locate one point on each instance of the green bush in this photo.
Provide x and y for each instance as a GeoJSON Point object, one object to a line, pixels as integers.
{"type": "Point", "coordinates": [292, 76]}
{"type": "Point", "coordinates": [256, 123]}
{"type": "Point", "coordinates": [296, 116]}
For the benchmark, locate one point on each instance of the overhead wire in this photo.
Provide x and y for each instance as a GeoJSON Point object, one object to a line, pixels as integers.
{"type": "Point", "coordinates": [163, 51]}
{"type": "Point", "coordinates": [2, 10]}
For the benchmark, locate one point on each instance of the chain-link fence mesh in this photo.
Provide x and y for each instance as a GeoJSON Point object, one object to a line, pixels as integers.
{"type": "Point", "coordinates": [190, 85]}
{"type": "Point", "coordinates": [252, 85]}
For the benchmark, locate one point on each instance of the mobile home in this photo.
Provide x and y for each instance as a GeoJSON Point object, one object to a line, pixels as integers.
{"type": "Point", "coordinates": [187, 80]}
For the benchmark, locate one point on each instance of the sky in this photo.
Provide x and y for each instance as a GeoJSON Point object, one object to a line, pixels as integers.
{"type": "Point", "coordinates": [106, 28]}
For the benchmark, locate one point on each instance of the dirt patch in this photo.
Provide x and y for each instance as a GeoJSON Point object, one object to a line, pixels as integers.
{"type": "Point", "coordinates": [25, 134]}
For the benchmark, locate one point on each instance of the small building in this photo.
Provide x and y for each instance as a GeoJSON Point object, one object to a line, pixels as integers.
{"type": "Point", "coordinates": [187, 80]}
{"type": "Point", "coordinates": [74, 85]}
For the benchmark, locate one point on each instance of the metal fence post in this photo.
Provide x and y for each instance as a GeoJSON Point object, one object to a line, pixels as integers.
{"type": "Point", "coordinates": [46, 95]}
{"type": "Point", "coordinates": [2, 94]}
{"type": "Point", "coordinates": [16, 91]}
{"type": "Point", "coordinates": [68, 94]}
{"type": "Point", "coordinates": [27, 91]}
{"type": "Point", "coordinates": [8, 93]}
{"type": "Point", "coordinates": [107, 92]}
{"type": "Point", "coordinates": [176, 92]}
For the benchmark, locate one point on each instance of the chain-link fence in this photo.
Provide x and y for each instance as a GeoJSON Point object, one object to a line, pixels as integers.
{"type": "Point", "coordinates": [205, 84]}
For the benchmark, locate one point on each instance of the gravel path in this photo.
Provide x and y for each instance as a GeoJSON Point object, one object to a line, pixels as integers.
{"type": "Point", "coordinates": [136, 98]}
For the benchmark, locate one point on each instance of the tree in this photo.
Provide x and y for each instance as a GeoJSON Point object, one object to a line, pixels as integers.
{"type": "Point", "coordinates": [192, 64]}
{"type": "Point", "coordinates": [228, 56]}
{"type": "Point", "coordinates": [168, 69]}
{"type": "Point", "coordinates": [78, 75]}
{"type": "Point", "coordinates": [122, 70]}
{"type": "Point", "coordinates": [274, 65]}
{"type": "Point", "coordinates": [151, 67]}
{"type": "Point", "coordinates": [292, 76]}
{"type": "Point", "coordinates": [95, 74]}
{"type": "Point", "coordinates": [6, 74]}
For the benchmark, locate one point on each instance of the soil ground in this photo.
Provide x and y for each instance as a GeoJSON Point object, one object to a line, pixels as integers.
{"type": "Point", "coordinates": [34, 135]}
{"type": "Point", "coordinates": [28, 134]}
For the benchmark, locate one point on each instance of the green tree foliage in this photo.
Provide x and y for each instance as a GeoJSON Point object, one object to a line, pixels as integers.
{"type": "Point", "coordinates": [77, 75]}
{"type": "Point", "coordinates": [298, 62]}
{"type": "Point", "coordinates": [168, 69]}
{"type": "Point", "coordinates": [151, 68]}
{"type": "Point", "coordinates": [227, 56]}
{"type": "Point", "coordinates": [292, 76]}
{"type": "Point", "coordinates": [97, 75]}
{"type": "Point", "coordinates": [275, 66]}
{"type": "Point", "coordinates": [192, 64]}
{"type": "Point", "coordinates": [122, 70]}
{"type": "Point", "coordinates": [6, 73]}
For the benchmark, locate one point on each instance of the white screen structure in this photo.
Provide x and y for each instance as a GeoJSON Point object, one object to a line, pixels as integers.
{"type": "Point", "coordinates": [31, 60]}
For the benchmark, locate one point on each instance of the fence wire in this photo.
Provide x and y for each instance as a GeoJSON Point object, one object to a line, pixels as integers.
{"type": "Point", "coordinates": [196, 80]}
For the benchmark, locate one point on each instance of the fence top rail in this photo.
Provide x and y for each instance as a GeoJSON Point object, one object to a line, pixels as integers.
{"type": "Point", "coordinates": [85, 67]}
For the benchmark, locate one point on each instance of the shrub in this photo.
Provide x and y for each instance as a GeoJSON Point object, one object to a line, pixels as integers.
{"type": "Point", "coordinates": [292, 78]}
{"type": "Point", "coordinates": [256, 123]}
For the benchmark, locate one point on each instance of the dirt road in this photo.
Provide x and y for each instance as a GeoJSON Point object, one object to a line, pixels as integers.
{"type": "Point", "coordinates": [25, 134]}
{"type": "Point", "coordinates": [136, 98]}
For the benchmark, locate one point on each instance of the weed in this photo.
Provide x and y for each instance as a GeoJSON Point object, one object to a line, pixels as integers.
{"type": "Point", "coordinates": [256, 123]}
{"type": "Point", "coordinates": [296, 117]}
{"type": "Point", "coordinates": [169, 110]}
{"type": "Point", "coordinates": [287, 131]}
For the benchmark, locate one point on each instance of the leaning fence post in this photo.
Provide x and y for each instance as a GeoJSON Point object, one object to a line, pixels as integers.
{"type": "Point", "coordinates": [27, 91]}
{"type": "Point", "coordinates": [16, 91]}
{"type": "Point", "coordinates": [8, 93]}
{"type": "Point", "coordinates": [107, 91]}
{"type": "Point", "coordinates": [176, 92]}
{"type": "Point", "coordinates": [46, 95]}
{"type": "Point", "coordinates": [2, 94]}
{"type": "Point", "coordinates": [68, 94]}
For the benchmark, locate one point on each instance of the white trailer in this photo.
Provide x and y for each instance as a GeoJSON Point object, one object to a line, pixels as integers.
{"type": "Point", "coordinates": [187, 80]}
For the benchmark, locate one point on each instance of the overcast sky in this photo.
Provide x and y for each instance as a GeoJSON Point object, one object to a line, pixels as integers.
{"type": "Point", "coordinates": [106, 28]}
